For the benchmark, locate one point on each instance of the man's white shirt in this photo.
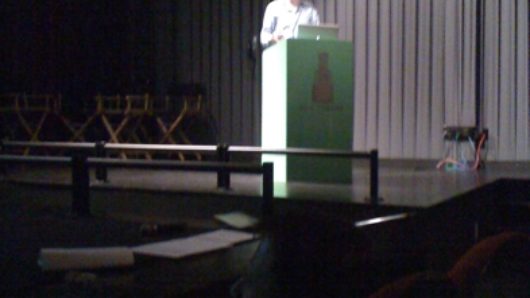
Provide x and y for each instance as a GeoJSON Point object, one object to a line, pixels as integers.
{"type": "Point", "coordinates": [282, 19]}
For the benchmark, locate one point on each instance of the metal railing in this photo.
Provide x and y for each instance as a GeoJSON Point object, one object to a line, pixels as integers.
{"type": "Point", "coordinates": [222, 152]}
{"type": "Point", "coordinates": [80, 165]}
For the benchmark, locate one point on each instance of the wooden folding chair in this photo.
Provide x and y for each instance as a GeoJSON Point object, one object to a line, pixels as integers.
{"type": "Point", "coordinates": [190, 104]}
{"type": "Point", "coordinates": [31, 112]}
{"type": "Point", "coordinates": [121, 117]}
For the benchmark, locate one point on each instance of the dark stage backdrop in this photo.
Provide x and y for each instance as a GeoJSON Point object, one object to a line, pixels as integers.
{"type": "Point", "coordinates": [82, 48]}
{"type": "Point", "coordinates": [77, 48]}
{"type": "Point", "coordinates": [208, 42]}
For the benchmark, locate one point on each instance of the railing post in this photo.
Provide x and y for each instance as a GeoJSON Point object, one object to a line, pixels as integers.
{"type": "Point", "coordinates": [80, 186]}
{"type": "Point", "coordinates": [268, 190]}
{"type": "Point", "coordinates": [223, 176]}
{"type": "Point", "coordinates": [101, 171]}
{"type": "Point", "coordinates": [374, 177]}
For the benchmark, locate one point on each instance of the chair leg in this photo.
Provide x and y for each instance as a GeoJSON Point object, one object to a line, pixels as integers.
{"type": "Point", "coordinates": [78, 135]}
{"type": "Point", "coordinates": [186, 140]}
{"type": "Point", "coordinates": [169, 138]}
{"type": "Point", "coordinates": [36, 131]}
{"type": "Point", "coordinates": [113, 134]}
{"type": "Point", "coordinates": [69, 126]}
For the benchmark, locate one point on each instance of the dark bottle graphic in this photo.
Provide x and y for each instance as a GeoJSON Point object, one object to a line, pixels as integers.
{"type": "Point", "coordinates": [323, 84]}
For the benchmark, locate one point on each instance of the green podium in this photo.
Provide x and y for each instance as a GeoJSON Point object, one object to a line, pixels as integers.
{"type": "Point", "coordinates": [307, 102]}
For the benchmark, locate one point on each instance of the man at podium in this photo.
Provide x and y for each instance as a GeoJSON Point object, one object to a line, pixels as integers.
{"type": "Point", "coordinates": [282, 18]}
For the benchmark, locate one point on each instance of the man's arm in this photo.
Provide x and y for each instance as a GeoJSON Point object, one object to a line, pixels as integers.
{"type": "Point", "coordinates": [269, 25]}
{"type": "Point", "coordinates": [315, 19]}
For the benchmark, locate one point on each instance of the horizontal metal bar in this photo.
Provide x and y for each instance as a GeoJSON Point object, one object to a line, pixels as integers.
{"type": "Point", "coordinates": [111, 146]}
{"type": "Point", "coordinates": [192, 148]}
{"type": "Point", "coordinates": [300, 151]}
{"type": "Point", "coordinates": [18, 159]}
{"type": "Point", "coordinates": [162, 148]}
{"type": "Point", "coordinates": [50, 145]}
{"type": "Point", "coordinates": [177, 165]}
{"type": "Point", "coordinates": [142, 164]}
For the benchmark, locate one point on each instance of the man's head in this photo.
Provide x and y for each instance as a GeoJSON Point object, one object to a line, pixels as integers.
{"type": "Point", "coordinates": [296, 2]}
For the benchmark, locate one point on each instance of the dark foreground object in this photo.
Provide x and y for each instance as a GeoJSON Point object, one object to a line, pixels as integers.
{"type": "Point", "coordinates": [320, 251]}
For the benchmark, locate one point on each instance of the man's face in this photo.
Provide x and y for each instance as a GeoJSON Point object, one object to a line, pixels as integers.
{"type": "Point", "coordinates": [296, 2]}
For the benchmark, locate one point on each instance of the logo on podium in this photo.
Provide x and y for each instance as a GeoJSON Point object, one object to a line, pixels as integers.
{"type": "Point", "coordinates": [323, 84]}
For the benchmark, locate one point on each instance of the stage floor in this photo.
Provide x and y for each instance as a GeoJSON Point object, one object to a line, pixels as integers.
{"type": "Point", "coordinates": [403, 183]}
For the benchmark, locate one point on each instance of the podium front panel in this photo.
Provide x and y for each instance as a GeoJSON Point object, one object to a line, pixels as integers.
{"type": "Point", "coordinates": [308, 103]}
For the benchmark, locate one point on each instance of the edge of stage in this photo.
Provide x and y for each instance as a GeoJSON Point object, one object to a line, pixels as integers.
{"type": "Point", "coordinates": [402, 183]}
